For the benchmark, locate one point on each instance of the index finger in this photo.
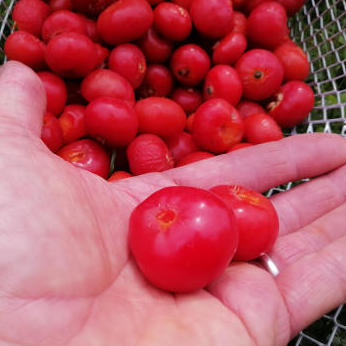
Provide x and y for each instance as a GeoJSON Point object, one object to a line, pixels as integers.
{"type": "Point", "coordinates": [267, 165]}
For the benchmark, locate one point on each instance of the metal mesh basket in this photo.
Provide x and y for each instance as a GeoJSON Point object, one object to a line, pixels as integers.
{"type": "Point", "coordinates": [319, 28]}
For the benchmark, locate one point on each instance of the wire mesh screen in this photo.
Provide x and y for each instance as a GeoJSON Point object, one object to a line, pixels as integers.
{"type": "Point", "coordinates": [320, 29]}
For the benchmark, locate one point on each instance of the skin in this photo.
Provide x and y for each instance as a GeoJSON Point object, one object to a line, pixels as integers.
{"type": "Point", "coordinates": [66, 276]}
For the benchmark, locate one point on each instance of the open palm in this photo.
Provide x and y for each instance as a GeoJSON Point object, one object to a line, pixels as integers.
{"type": "Point", "coordinates": [67, 278]}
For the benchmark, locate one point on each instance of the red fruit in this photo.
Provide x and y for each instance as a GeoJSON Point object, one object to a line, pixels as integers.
{"type": "Point", "coordinates": [158, 81]}
{"type": "Point", "coordinates": [194, 157]}
{"type": "Point", "coordinates": [91, 7]}
{"type": "Point", "coordinates": [217, 126]}
{"type": "Point", "coordinates": [261, 74]}
{"type": "Point", "coordinates": [57, 5]}
{"type": "Point", "coordinates": [172, 21]}
{"type": "Point", "coordinates": [223, 81]}
{"type": "Point", "coordinates": [184, 3]}
{"type": "Point", "coordinates": [72, 123]}
{"type": "Point", "coordinates": [26, 48]}
{"type": "Point", "coordinates": [239, 23]}
{"type": "Point", "coordinates": [294, 61]}
{"type": "Point", "coordinates": [261, 128]}
{"type": "Point", "coordinates": [56, 92]}
{"type": "Point", "coordinates": [292, 104]}
{"type": "Point", "coordinates": [111, 120]}
{"type": "Point", "coordinates": [51, 133]}
{"type": "Point", "coordinates": [212, 18]}
{"type": "Point", "coordinates": [190, 64]}
{"type": "Point", "coordinates": [29, 15]}
{"type": "Point", "coordinates": [88, 155]}
{"type": "Point", "coordinates": [249, 5]}
{"type": "Point", "coordinates": [247, 108]}
{"type": "Point", "coordinates": [160, 116]}
{"type": "Point", "coordinates": [91, 29]}
{"type": "Point", "coordinates": [267, 25]}
{"type": "Point", "coordinates": [119, 175]}
{"type": "Point", "coordinates": [125, 21]}
{"type": "Point", "coordinates": [62, 21]}
{"type": "Point", "coordinates": [102, 55]}
{"type": "Point", "coordinates": [240, 146]}
{"type": "Point", "coordinates": [71, 55]}
{"type": "Point", "coordinates": [229, 49]}
{"type": "Point", "coordinates": [292, 6]}
{"type": "Point", "coordinates": [129, 61]}
{"type": "Point", "coordinates": [148, 153]}
{"type": "Point", "coordinates": [182, 238]}
{"type": "Point", "coordinates": [102, 82]}
{"type": "Point", "coordinates": [255, 217]}
{"type": "Point", "coordinates": [188, 98]}
{"type": "Point", "coordinates": [181, 145]}
{"type": "Point", "coordinates": [156, 49]}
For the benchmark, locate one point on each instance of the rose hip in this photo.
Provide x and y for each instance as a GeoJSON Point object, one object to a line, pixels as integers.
{"type": "Point", "coordinates": [239, 23]}
{"type": "Point", "coordinates": [182, 238]}
{"type": "Point", "coordinates": [125, 21]}
{"type": "Point", "coordinates": [261, 74]}
{"type": "Point", "coordinates": [217, 126]}
{"type": "Point", "coordinates": [194, 157]}
{"type": "Point", "coordinates": [261, 128]}
{"type": "Point", "coordinates": [129, 61]}
{"type": "Point", "coordinates": [172, 21]}
{"type": "Point", "coordinates": [223, 81]}
{"type": "Point", "coordinates": [229, 49]}
{"type": "Point", "coordinates": [294, 61]}
{"type": "Point", "coordinates": [62, 21]}
{"type": "Point", "coordinates": [247, 108]}
{"type": "Point", "coordinates": [72, 123]}
{"type": "Point", "coordinates": [102, 82]}
{"type": "Point", "coordinates": [188, 98]}
{"type": "Point", "coordinates": [51, 133]}
{"type": "Point", "coordinates": [26, 48]}
{"type": "Point", "coordinates": [190, 64]}
{"type": "Point", "coordinates": [181, 145]}
{"type": "Point", "coordinates": [148, 153]}
{"type": "Point", "coordinates": [212, 18]}
{"type": "Point", "coordinates": [56, 92]}
{"type": "Point", "coordinates": [292, 104]}
{"type": "Point", "coordinates": [267, 25]}
{"type": "Point", "coordinates": [112, 121]}
{"type": "Point", "coordinates": [156, 49]}
{"type": "Point", "coordinates": [160, 116]}
{"type": "Point", "coordinates": [71, 55]}
{"type": "Point", "coordinates": [88, 155]}
{"type": "Point", "coordinates": [158, 81]}
{"type": "Point", "coordinates": [256, 218]}
{"type": "Point", "coordinates": [102, 55]}
{"type": "Point", "coordinates": [119, 175]}
{"type": "Point", "coordinates": [57, 5]}
{"type": "Point", "coordinates": [29, 15]}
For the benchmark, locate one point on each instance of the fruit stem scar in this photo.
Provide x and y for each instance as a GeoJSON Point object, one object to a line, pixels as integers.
{"type": "Point", "coordinates": [258, 74]}
{"type": "Point", "coordinates": [166, 218]}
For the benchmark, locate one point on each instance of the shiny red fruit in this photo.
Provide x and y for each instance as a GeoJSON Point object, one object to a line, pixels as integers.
{"type": "Point", "coordinates": [91, 7]}
{"type": "Point", "coordinates": [112, 121]}
{"type": "Point", "coordinates": [57, 5]}
{"type": "Point", "coordinates": [160, 116]}
{"type": "Point", "coordinates": [222, 81]}
{"type": "Point", "coordinates": [88, 155]}
{"type": "Point", "coordinates": [292, 104]}
{"type": "Point", "coordinates": [71, 55]}
{"type": "Point", "coordinates": [189, 98]}
{"type": "Point", "coordinates": [119, 175]}
{"type": "Point", "coordinates": [194, 157]}
{"type": "Point", "coordinates": [255, 217]}
{"type": "Point", "coordinates": [261, 128]}
{"type": "Point", "coordinates": [247, 108]}
{"type": "Point", "coordinates": [261, 74]}
{"type": "Point", "coordinates": [125, 21]}
{"type": "Point", "coordinates": [51, 133]}
{"type": "Point", "coordinates": [267, 25]}
{"type": "Point", "coordinates": [212, 18]}
{"type": "Point", "coordinates": [182, 238]}
{"type": "Point", "coordinates": [181, 145]}
{"type": "Point", "coordinates": [148, 153]}
{"type": "Point", "coordinates": [29, 15]}
{"type": "Point", "coordinates": [56, 91]}
{"type": "Point", "coordinates": [217, 126]}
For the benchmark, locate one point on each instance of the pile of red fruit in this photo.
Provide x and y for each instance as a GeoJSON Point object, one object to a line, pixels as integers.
{"type": "Point", "coordinates": [161, 83]}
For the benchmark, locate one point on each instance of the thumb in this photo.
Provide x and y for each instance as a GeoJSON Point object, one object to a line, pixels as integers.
{"type": "Point", "coordinates": [22, 98]}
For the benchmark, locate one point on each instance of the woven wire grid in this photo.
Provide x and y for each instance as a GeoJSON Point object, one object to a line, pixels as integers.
{"type": "Point", "coordinates": [320, 29]}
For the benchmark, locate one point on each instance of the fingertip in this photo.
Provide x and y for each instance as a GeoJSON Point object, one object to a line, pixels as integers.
{"type": "Point", "coordinates": [22, 97]}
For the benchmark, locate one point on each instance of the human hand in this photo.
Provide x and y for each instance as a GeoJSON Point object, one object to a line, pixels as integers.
{"type": "Point", "coordinates": [67, 278]}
